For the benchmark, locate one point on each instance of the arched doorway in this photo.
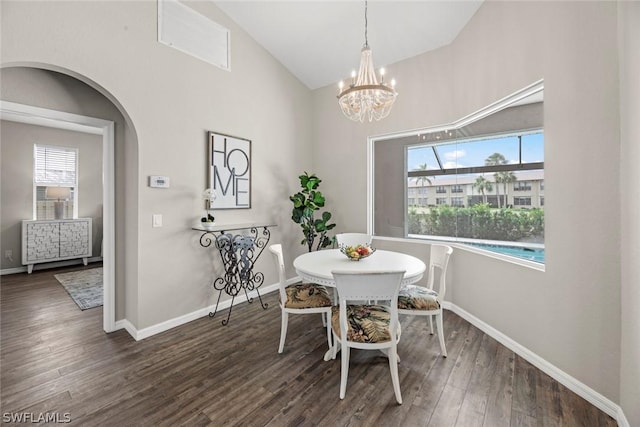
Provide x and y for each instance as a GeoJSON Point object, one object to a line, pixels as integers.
{"type": "Point", "coordinates": [32, 111]}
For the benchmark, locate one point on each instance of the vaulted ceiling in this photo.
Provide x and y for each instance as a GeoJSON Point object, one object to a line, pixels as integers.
{"type": "Point", "coordinates": [320, 41]}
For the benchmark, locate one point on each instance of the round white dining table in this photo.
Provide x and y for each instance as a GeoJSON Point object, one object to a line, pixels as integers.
{"type": "Point", "coordinates": [316, 267]}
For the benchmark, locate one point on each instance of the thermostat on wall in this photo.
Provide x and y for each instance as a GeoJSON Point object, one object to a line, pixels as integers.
{"type": "Point", "coordinates": [158, 181]}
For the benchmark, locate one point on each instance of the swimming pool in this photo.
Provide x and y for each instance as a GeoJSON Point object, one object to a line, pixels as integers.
{"type": "Point", "coordinates": [530, 254]}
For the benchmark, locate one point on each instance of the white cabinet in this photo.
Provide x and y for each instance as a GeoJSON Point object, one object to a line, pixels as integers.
{"type": "Point", "coordinates": [55, 240]}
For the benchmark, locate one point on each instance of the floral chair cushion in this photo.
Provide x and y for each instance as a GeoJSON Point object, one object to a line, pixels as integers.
{"type": "Point", "coordinates": [365, 323]}
{"type": "Point", "coordinates": [307, 295]}
{"type": "Point", "coordinates": [417, 298]}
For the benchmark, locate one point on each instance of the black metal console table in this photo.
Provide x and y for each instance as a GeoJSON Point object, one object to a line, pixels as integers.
{"type": "Point", "coordinates": [239, 253]}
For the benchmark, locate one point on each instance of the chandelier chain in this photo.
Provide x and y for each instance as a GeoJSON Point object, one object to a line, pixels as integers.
{"type": "Point", "coordinates": [366, 25]}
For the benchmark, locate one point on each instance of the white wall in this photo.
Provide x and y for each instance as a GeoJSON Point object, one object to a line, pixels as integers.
{"type": "Point", "coordinates": [172, 100]}
{"type": "Point", "coordinates": [629, 15]}
{"type": "Point", "coordinates": [570, 314]}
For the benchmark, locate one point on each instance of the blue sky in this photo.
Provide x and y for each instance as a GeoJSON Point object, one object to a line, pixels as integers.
{"type": "Point", "coordinates": [474, 153]}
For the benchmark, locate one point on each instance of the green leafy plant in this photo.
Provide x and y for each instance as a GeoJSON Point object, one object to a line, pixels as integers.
{"type": "Point", "coordinates": [479, 221]}
{"type": "Point", "coordinates": [305, 205]}
{"type": "Point", "coordinates": [208, 218]}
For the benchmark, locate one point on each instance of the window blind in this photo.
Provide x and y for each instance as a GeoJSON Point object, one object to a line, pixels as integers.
{"type": "Point", "coordinates": [55, 166]}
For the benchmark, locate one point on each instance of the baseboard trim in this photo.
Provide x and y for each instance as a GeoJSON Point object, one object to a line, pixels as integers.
{"type": "Point", "coordinates": [14, 270]}
{"type": "Point", "coordinates": [46, 265]}
{"type": "Point", "coordinates": [189, 317]}
{"type": "Point", "coordinates": [126, 325]}
{"type": "Point", "coordinates": [581, 389]}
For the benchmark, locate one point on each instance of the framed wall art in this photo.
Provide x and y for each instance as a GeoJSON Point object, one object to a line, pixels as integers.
{"type": "Point", "coordinates": [230, 171]}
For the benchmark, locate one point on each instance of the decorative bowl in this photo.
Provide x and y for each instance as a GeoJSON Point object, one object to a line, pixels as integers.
{"type": "Point", "coordinates": [356, 253]}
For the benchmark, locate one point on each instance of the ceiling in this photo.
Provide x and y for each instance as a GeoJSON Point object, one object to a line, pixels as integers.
{"type": "Point", "coordinates": [320, 41]}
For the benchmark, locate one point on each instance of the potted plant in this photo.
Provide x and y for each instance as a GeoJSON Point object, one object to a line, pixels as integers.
{"type": "Point", "coordinates": [305, 204]}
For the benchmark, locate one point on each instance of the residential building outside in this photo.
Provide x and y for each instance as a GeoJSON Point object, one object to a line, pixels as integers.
{"type": "Point", "coordinates": [525, 193]}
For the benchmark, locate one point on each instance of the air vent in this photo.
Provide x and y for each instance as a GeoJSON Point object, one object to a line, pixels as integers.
{"type": "Point", "coordinates": [184, 29]}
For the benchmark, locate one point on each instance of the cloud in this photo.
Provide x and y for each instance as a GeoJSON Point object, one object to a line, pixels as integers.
{"type": "Point", "coordinates": [455, 154]}
{"type": "Point", "coordinates": [452, 165]}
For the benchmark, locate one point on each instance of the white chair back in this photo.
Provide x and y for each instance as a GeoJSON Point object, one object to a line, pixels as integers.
{"type": "Point", "coordinates": [380, 286]}
{"type": "Point", "coordinates": [353, 239]}
{"type": "Point", "coordinates": [276, 250]}
{"type": "Point", "coordinates": [438, 262]}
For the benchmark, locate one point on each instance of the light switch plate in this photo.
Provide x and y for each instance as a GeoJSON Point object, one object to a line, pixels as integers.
{"type": "Point", "coordinates": [157, 220]}
{"type": "Point", "coordinates": [156, 181]}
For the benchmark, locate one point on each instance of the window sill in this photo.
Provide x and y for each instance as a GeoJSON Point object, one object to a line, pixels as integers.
{"type": "Point", "coordinates": [507, 258]}
{"type": "Point", "coordinates": [458, 245]}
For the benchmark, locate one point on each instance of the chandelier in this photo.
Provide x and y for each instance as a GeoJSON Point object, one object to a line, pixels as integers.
{"type": "Point", "coordinates": [365, 97]}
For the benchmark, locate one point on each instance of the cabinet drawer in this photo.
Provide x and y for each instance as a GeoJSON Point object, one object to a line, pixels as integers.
{"type": "Point", "coordinates": [43, 242]}
{"type": "Point", "coordinates": [74, 239]}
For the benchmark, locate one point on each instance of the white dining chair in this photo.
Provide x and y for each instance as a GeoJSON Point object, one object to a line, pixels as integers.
{"type": "Point", "coordinates": [425, 301]}
{"type": "Point", "coordinates": [300, 298]}
{"type": "Point", "coordinates": [367, 326]}
{"type": "Point", "coordinates": [353, 239]}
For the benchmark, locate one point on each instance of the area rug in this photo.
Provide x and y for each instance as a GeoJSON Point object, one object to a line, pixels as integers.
{"type": "Point", "coordinates": [83, 286]}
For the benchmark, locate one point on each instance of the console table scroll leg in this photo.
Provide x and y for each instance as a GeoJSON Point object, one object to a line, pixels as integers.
{"type": "Point", "coordinates": [249, 300]}
{"type": "Point", "coordinates": [213, 313]}
{"type": "Point", "coordinates": [264, 305]}
{"type": "Point", "coordinates": [226, 321]}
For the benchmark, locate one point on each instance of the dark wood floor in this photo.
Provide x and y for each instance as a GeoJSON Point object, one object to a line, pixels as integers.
{"type": "Point", "coordinates": [56, 359]}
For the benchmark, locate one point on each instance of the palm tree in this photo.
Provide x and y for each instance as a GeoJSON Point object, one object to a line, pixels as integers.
{"type": "Point", "coordinates": [496, 159]}
{"type": "Point", "coordinates": [497, 178]}
{"type": "Point", "coordinates": [422, 179]}
{"type": "Point", "coordinates": [505, 178]}
{"type": "Point", "coordinates": [483, 185]}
